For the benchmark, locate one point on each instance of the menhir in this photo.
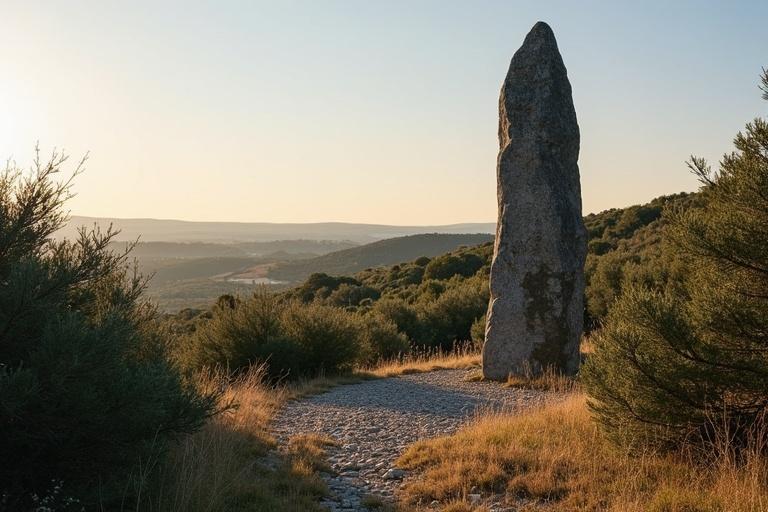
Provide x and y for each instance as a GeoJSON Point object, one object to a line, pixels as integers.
{"type": "Point", "coordinates": [535, 316]}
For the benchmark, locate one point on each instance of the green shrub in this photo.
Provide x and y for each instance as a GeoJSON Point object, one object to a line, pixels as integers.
{"type": "Point", "coordinates": [381, 338]}
{"type": "Point", "coordinates": [86, 390]}
{"type": "Point", "coordinates": [477, 331]}
{"type": "Point", "coordinates": [422, 261]}
{"type": "Point", "coordinates": [449, 317]}
{"type": "Point", "coordinates": [449, 265]}
{"type": "Point", "coordinates": [329, 337]}
{"type": "Point", "coordinates": [293, 339]}
{"type": "Point", "coordinates": [669, 361]}
{"type": "Point", "coordinates": [400, 313]}
{"type": "Point", "coordinates": [320, 285]}
{"type": "Point", "coordinates": [250, 333]}
{"type": "Point", "coordinates": [347, 295]}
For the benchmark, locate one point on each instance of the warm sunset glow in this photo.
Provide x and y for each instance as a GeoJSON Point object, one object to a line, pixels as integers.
{"type": "Point", "coordinates": [344, 111]}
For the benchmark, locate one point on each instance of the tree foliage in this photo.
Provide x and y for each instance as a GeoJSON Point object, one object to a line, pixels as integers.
{"type": "Point", "coordinates": [86, 390]}
{"type": "Point", "coordinates": [670, 358]}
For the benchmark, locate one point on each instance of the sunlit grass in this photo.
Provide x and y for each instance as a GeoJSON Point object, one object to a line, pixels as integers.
{"type": "Point", "coordinates": [234, 463]}
{"type": "Point", "coordinates": [461, 357]}
{"type": "Point", "coordinates": [554, 458]}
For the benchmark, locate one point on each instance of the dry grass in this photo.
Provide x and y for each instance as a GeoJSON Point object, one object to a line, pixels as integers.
{"type": "Point", "coordinates": [233, 463]}
{"type": "Point", "coordinates": [461, 357]}
{"type": "Point", "coordinates": [230, 463]}
{"type": "Point", "coordinates": [554, 458]}
{"type": "Point", "coordinates": [548, 380]}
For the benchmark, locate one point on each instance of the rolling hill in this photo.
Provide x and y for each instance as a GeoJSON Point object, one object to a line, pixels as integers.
{"type": "Point", "coordinates": [381, 253]}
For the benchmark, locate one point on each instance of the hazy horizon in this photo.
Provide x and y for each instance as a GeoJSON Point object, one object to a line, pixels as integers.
{"type": "Point", "coordinates": [393, 224]}
{"type": "Point", "coordinates": [307, 112]}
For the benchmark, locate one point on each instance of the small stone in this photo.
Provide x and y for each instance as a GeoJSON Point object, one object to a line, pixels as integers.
{"type": "Point", "coordinates": [393, 474]}
{"type": "Point", "coordinates": [474, 499]}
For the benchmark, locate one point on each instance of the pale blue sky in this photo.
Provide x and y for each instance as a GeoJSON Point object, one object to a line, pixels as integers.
{"type": "Point", "coordinates": [361, 111]}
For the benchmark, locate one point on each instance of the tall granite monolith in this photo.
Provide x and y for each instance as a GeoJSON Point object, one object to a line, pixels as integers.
{"type": "Point", "coordinates": [535, 316]}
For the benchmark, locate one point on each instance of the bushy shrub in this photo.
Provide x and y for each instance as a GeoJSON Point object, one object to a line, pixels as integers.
{"type": "Point", "coordinates": [449, 265]}
{"type": "Point", "coordinates": [477, 331]}
{"type": "Point", "coordinates": [422, 261]}
{"type": "Point", "coordinates": [668, 361]}
{"type": "Point", "coordinates": [328, 336]}
{"type": "Point", "coordinates": [293, 339]}
{"type": "Point", "coordinates": [449, 317]}
{"type": "Point", "coordinates": [347, 295]}
{"type": "Point", "coordinates": [381, 338]}
{"type": "Point", "coordinates": [400, 313]}
{"type": "Point", "coordinates": [320, 286]}
{"type": "Point", "coordinates": [236, 337]}
{"type": "Point", "coordinates": [86, 390]}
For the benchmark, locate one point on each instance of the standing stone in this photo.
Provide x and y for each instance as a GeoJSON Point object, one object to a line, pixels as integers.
{"type": "Point", "coordinates": [535, 316]}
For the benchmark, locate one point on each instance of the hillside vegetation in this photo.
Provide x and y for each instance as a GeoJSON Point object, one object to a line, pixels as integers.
{"type": "Point", "coordinates": [672, 416]}
{"type": "Point", "coordinates": [429, 302]}
{"type": "Point", "coordinates": [620, 240]}
{"type": "Point", "coordinates": [381, 253]}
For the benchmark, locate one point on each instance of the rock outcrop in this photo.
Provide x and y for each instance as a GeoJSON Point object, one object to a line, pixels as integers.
{"type": "Point", "coordinates": [535, 316]}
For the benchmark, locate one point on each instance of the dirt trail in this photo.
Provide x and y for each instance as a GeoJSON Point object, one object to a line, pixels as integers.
{"type": "Point", "coordinates": [374, 421]}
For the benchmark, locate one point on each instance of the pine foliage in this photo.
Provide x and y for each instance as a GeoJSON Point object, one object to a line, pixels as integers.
{"type": "Point", "coordinates": [671, 360]}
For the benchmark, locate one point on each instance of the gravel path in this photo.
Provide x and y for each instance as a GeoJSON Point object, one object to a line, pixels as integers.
{"type": "Point", "coordinates": [374, 421]}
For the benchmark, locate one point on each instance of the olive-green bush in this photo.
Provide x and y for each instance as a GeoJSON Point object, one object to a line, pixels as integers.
{"type": "Point", "coordinates": [87, 393]}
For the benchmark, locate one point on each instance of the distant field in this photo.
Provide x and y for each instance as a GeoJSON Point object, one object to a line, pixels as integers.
{"type": "Point", "coordinates": [286, 248]}
{"type": "Point", "coordinates": [174, 296]}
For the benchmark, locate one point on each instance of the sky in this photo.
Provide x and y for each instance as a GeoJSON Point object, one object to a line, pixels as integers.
{"type": "Point", "coordinates": [356, 111]}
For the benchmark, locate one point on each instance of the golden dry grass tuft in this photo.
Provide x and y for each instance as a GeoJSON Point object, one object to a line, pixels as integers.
{"type": "Point", "coordinates": [548, 380]}
{"type": "Point", "coordinates": [233, 462]}
{"type": "Point", "coordinates": [554, 458]}
{"type": "Point", "coordinates": [461, 357]}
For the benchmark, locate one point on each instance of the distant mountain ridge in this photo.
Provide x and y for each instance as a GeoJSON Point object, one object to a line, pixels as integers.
{"type": "Point", "coordinates": [293, 248]}
{"type": "Point", "coordinates": [154, 230]}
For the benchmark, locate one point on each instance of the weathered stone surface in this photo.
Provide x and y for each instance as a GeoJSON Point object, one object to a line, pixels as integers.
{"type": "Point", "coordinates": [535, 315]}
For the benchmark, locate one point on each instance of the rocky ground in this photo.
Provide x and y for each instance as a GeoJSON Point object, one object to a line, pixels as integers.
{"type": "Point", "coordinates": [374, 421]}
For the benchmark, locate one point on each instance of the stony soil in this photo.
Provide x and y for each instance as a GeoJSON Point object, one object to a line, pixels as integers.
{"type": "Point", "coordinates": [374, 421]}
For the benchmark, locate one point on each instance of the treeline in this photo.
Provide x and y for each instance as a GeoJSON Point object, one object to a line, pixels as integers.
{"type": "Point", "coordinates": [331, 324]}
{"type": "Point", "coordinates": [430, 303]}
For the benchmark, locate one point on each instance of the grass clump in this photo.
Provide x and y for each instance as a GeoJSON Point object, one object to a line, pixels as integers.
{"type": "Point", "coordinates": [550, 379]}
{"type": "Point", "coordinates": [555, 458]}
{"type": "Point", "coordinates": [233, 462]}
{"type": "Point", "coordinates": [462, 356]}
